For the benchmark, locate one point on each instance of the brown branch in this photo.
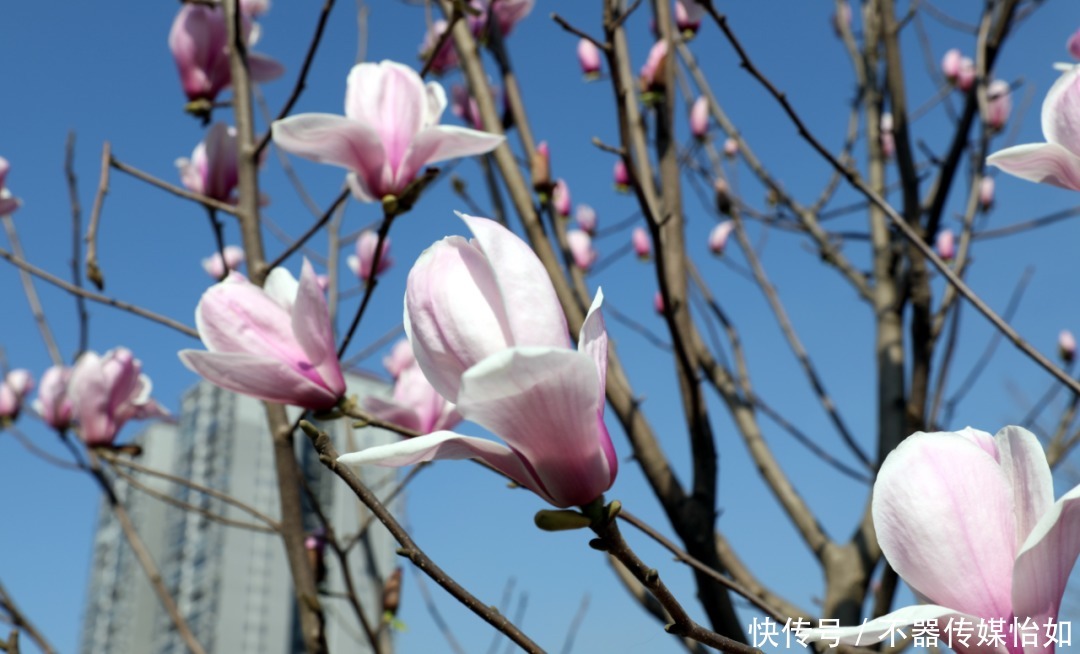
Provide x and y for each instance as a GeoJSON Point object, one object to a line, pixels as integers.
{"type": "Point", "coordinates": [76, 237]}
{"type": "Point", "coordinates": [23, 623]}
{"type": "Point", "coordinates": [208, 202]}
{"type": "Point", "coordinates": [93, 270]}
{"type": "Point", "coordinates": [314, 229]}
{"type": "Point", "coordinates": [31, 294]}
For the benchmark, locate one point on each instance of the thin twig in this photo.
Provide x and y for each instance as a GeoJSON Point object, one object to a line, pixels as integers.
{"type": "Point", "coordinates": [31, 294]}
{"type": "Point", "coordinates": [206, 201]}
{"type": "Point", "coordinates": [314, 229]}
{"type": "Point", "coordinates": [93, 270]}
{"type": "Point", "coordinates": [19, 620]}
{"type": "Point", "coordinates": [76, 238]}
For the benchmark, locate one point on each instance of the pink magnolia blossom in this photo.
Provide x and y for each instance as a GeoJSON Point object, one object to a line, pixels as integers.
{"type": "Point", "coordinates": [400, 358]}
{"type": "Point", "coordinates": [1057, 161]}
{"type": "Point", "coordinates": [8, 202]}
{"type": "Point", "coordinates": [1073, 44]}
{"type": "Point", "coordinates": [446, 58]}
{"type": "Point", "coordinates": [212, 169]}
{"type": "Point", "coordinates": [389, 133]}
{"type": "Point", "coordinates": [652, 73]}
{"type": "Point", "coordinates": [108, 390]}
{"type": "Point", "coordinates": [699, 118]}
{"type": "Point", "coordinates": [275, 343]}
{"type": "Point", "coordinates": [1067, 345]}
{"type": "Point", "coordinates": [945, 244]}
{"type": "Point", "coordinates": [53, 403]}
{"type": "Point", "coordinates": [464, 106]}
{"type": "Point", "coordinates": [888, 140]}
{"type": "Point", "coordinates": [489, 333]}
{"type": "Point", "coordinates": [199, 41]}
{"type": "Point", "coordinates": [688, 15]}
{"type": "Point", "coordinates": [581, 248]}
{"type": "Point", "coordinates": [719, 235]}
{"type": "Point", "coordinates": [622, 176]}
{"type": "Point", "coordinates": [951, 63]}
{"type": "Point", "coordinates": [415, 404]}
{"type": "Point", "coordinates": [254, 8]}
{"type": "Point", "coordinates": [969, 521]}
{"type": "Point", "coordinates": [658, 302]}
{"type": "Point", "coordinates": [216, 268]}
{"type": "Point", "coordinates": [560, 198]}
{"type": "Point", "coordinates": [360, 263]}
{"type": "Point", "coordinates": [588, 56]}
{"type": "Point", "coordinates": [639, 238]}
{"type": "Point", "coordinates": [999, 104]}
{"type": "Point", "coordinates": [586, 218]}
{"type": "Point", "coordinates": [508, 13]}
{"type": "Point", "coordinates": [731, 148]}
{"type": "Point", "coordinates": [13, 390]}
{"type": "Point", "coordinates": [965, 76]}
{"type": "Point", "coordinates": [986, 193]}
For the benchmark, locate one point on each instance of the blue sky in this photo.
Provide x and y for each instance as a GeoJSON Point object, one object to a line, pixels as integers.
{"type": "Point", "coordinates": [106, 73]}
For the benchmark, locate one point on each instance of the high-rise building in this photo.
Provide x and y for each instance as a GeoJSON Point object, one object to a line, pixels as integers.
{"type": "Point", "coordinates": [231, 583]}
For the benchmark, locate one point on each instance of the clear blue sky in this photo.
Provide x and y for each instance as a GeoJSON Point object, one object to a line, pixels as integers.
{"type": "Point", "coordinates": [106, 72]}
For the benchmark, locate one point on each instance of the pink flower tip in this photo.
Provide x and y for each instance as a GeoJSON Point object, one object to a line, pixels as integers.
{"type": "Point", "coordinates": [719, 235]}
{"type": "Point", "coordinates": [945, 244]}
{"type": "Point", "coordinates": [361, 262]}
{"type": "Point", "coordinates": [641, 242]}
{"type": "Point", "coordinates": [1067, 346]}
{"type": "Point", "coordinates": [589, 58]}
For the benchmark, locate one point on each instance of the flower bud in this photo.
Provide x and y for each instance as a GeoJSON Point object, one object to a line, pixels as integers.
{"type": "Point", "coordinates": [999, 104]}
{"type": "Point", "coordinates": [218, 268]}
{"type": "Point", "coordinates": [622, 177]}
{"type": "Point", "coordinates": [652, 73]}
{"type": "Point", "coordinates": [945, 244]}
{"type": "Point", "coordinates": [719, 235]}
{"type": "Point", "coordinates": [586, 218]}
{"type": "Point", "coordinates": [1066, 346]}
{"type": "Point", "coordinates": [986, 193]}
{"type": "Point", "coordinates": [688, 15]}
{"type": "Point", "coordinates": [699, 118]}
{"type": "Point", "coordinates": [361, 262]}
{"type": "Point", "coordinates": [560, 198]}
{"type": "Point", "coordinates": [589, 57]}
{"type": "Point", "coordinates": [580, 244]}
{"type": "Point", "coordinates": [731, 148]}
{"type": "Point", "coordinates": [950, 64]}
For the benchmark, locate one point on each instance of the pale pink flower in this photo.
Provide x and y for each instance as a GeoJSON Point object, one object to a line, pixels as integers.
{"type": "Point", "coordinates": [446, 58]}
{"type": "Point", "coordinates": [508, 13]}
{"type": "Point", "coordinates": [999, 104]}
{"type": "Point", "coordinates": [13, 390]}
{"type": "Point", "coordinates": [652, 73]}
{"type": "Point", "coordinates": [950, 64]}
{"type": "Point", "coordinates": [719, 235]}
{"type": "Point", "coordinates": [731, 148]}
{"type": "Point", "coordinates": [965, 77]}
{"type": "Point", "coordinates": [639, 238]}
{"type": "Point", "coordinates": [489, 333]}
{"type": "Point", "coordinates": [464, 106]}
{"type": "Point", "coordinates": [53, 404]}
{"type": "Point", "coordinates": [1073, 44]}
{"type": "Point", "coordinates": [888, 140]}
{"type": "Point", "coordinates": [586, 218]}
{"type": "Point", "coordinates": [986, 193]}
{"type": "Point", "coordinates": [400, 358]}
{"type": "Point", "coordinates": [274, 343]}
{"type": "Point", "coordinates": [588, 56]}
{"type": "Point", "coordinates": [254, 8]}
{"type": "Point", "coordinates": [8, 202]}
{"type": "Point", "coordinates": [945, 244]}
{"type": "Point", "coordinates": [108, 390]}
{"type": "Point", "coordinates": [622, 176]}
{"type": "Point", "coordinates": [1057, 161]}
{"type": "Point", "coordinates": [212, 168]}
{"type": "Point", "coordinates": [658, 302]}
{"type": "Point", "coordinates": [581, 249]}
{"type": "Point", "coordinates": [1067, 346]}
{"type": "Point", "coordinates": [216, 268]}
{"type": "Point", "coordinates": [199, 40]}
{"type": "Point", "coordinates": [688, 15]}
{"type": "Point", "coordinates": [389, 133]}
{"type": "Point", "coordinates": [560, 198]}
{"type": "Point", "coordinates": [360, 263]}
{"type": "Point", "coordinates": [969, 522]}
{"type": "Point", "coordinates": [699, 118]}
{"type": "Point", "coordinates": [415, 404]}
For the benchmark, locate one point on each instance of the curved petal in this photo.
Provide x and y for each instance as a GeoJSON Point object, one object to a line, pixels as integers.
{"type": "Point", "coordinates": [895, 625]}
{"type": "Point", "coordinates": [314, 332]}
{"type": "Point", "coordinates": [593, 339]}
{"type": "Point", "coordinates": [393, 412]}
{"type": "Point", "coordinates": [439, 143]}
{"type": "Point", "coordinates": [436, 103]}
{"type": "Point", "coordinates": [336, 140]}
{"type": "Point", "coordinates": [943, 511]}
{"type": "Point", "coordinates": [1046, 559]}
{"type": "Point", "coordinates": [1024, 464]}
{"type": "Point", "coordinates": [542, 402]}
{"type": "Point", "coordinates": [90, 400]}
{"type": "Point", "coordinates": [266, 379]}
{"type": "Point", "coordinates": [454, 313]}
{"type": "Point", "coordinates": [263, 68]}
{"type": "Point", "coordinates": [532, 308]}
{"type": "Point", "coordinates": [1060, 123]}
{"type": "Point", "coordinates": [391, 98]}
{"type": "Point", "coordinates": [446, 445]}
{"type": "Point", "coordinates": [1044, 163]}
{"type": "Point", "coordinates": [282, 288]}
{"type": "Point", "coordinates": [237, 316]}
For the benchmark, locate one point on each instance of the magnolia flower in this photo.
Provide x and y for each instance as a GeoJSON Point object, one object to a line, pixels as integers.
{"type": "Point", "coordinates": [969, 521]}
{"type": "Point", "coordinates": [211, 170]}
{"type": "Point", "coordinates": [389, 132]}
{"type": "Point", "coordinates": [951, 63]}
{"type": "Point", "coordinates": [415, 404]}
{"type": "Point", "coordinates": [216, 268]}
{"type": "Point", "coordinates": [621, 176]}
{"type": "Point", "coordinates": [275, 343]}
{"type": "Point", "coordinates": [13, 390]}
{"type": "Point", "coordinates": [560, 198]}
{"type": "Point", "coordinates": [719, 235]}
{"type": "Point", "coordinates": [400, 358]}
{"type": "Point", "coordinates": [586, 218]}
{"type": "Point", "coordinates": [1057, 161]}
{"type": "Point", "coordinates": [1066, 346]}
{"type": "Point", "coordinates": [508, 13]}
{"type": "Point", "coordinates": [688, 15]}
{"type": "Point", "coordinates": [999, 104]}
{"type": "Point", "coordinates": [106, 391]}
{"type": "Point", "coordinates": [965, 76]}
{"type": "Point", "coordinates": [360, 263]}
{"type": "Point", "coordinates": [888, 141]}
{"type": "Point", "coordinates": [945, 244]}
{"type": "Point", "coordinates": [652, 73]}
{"type": "Point", "coordinates": [1073, 44]}
{"type": "Point", "coordinates": [464, 106]}
{"type": "Point", "coordinates": [588, 55]}
{"type": "Point", "coordinates": [658, 302]}
{"type": "Point", "coordinates": [699, 118]}
{"type": "Point", "coordinates": [731, 148]}
{"type": "Point", "coordinates": [986, 193]}
{"type": "Point", "coordinates": [446, 58]}
{"type": "Point", "coordinates": [641, 242]}
{"type": "Point", "coordinates": [489, 334]}
{"type": "Point", "coordinates": [580, 244]}
{"type": "Point", "coordinates": [199, 40]}
{"type": "Point", "coordinates": [53, 403]}
{"type": "Point", "coordinates": [8, 203]}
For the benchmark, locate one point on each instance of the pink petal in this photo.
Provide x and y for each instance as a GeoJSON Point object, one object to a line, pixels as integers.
{"type": "Point", "coordinates": [1024, 464]}
{"type": "Point", "coordinates": [442, 142]}
{"type": "Point", "coordinates": [533, 310]}
{"type": "Point", "coordinates": [1060, 123]}
{"type": "Point", "coordinates": [326, 138]}
{"type": "Point", "coordinates": [1046, 559]}
{"type": "Point", "coordinates": [391, 411]}
{"type": "Point", "coordinates": [314, 332]}
{"type": "Point", "coordinates": [543, 403]}
{"type": "Point", "coordinates": [237, 316]}
{"type": "Point", "coordinates": [593, 339]}
{"type": "Point", "coordinates": [1045, 163]}
{"type": "Point", "coordinates": [943, 511]}
{"type": "Point", "coordinates": [446, 445]}
{"type": "Point", "coordinates": [90, 401]}
{"type": "Point", "coordinates": [263, 68]}
{"type": "Point", "coordinates": [390, 98]}
{"type": "Point", "coordinates": [267, 379]}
